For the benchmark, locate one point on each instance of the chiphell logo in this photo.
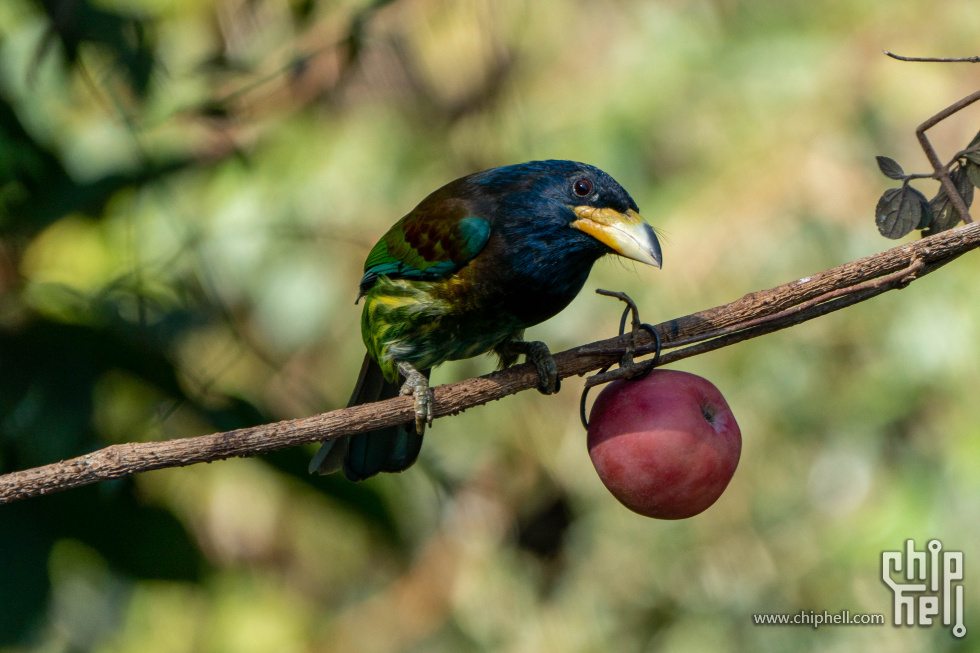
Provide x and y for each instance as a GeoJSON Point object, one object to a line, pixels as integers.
{"type": "Point", "coordinates": [941, 586]}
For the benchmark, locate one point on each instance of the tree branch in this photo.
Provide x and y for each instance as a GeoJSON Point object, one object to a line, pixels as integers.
{"type": "Point", "coordinates": [753, 315]}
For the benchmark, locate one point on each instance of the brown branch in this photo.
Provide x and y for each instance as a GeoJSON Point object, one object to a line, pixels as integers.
{"type": "Point", "coordinates": [816, 295]}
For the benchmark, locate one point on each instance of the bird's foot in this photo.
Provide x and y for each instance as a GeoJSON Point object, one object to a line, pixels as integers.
{"type": "Point", "coordinates": [538, 353]}
{"type": "Point", "coordinates": [417, 385]}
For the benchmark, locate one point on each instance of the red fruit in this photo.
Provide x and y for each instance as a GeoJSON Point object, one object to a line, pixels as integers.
{"type": "Point", "coordinates": [666, 446]}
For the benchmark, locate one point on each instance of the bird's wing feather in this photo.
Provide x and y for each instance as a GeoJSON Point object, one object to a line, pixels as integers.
{"type": "Point", "coordinates": [432, 242]}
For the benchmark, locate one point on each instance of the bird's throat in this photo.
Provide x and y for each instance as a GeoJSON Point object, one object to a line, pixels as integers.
{"type": "Point", "coordinates": [539, 291]}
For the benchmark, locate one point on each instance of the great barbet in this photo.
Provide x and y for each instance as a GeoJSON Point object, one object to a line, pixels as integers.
{"type": "Point", "coordinates": [466, 272]}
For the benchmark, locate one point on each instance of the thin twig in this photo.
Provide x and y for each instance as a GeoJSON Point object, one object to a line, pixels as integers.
{"type": "Point", "coordinates": [934, 59]}
{"type": "Point", "coordinates": [122, 460]}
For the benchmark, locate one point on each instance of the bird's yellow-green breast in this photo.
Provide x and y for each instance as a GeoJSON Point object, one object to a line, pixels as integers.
{"type": "Point", "coordinates": [426, 323]}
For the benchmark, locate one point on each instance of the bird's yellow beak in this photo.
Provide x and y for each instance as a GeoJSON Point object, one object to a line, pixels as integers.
{"type": "Point", "coordinates": [626, 233]}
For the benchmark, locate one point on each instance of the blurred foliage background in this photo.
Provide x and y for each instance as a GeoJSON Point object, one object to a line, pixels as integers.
{"type": "Point", "coordinates": [188, 191]}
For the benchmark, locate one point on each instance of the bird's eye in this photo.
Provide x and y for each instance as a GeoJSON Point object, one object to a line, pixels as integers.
{"type": "Point", "coordinates": [582, 187]}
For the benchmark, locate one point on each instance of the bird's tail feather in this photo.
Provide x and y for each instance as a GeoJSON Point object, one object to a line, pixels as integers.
{"type": "Point", "coordinates": [391, 449]}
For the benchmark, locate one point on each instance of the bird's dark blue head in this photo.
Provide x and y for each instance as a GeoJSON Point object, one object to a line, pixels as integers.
{"type": "Point", "coordinates": [568, 205]}
{"type": "Point", "coordinates": [550, 221]}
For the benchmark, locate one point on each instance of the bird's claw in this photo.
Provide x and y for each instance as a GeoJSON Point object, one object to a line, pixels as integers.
{"type": "Point", "coordinates": [538, 353]}
{"type": "Point", "coordinates": [417, 385]}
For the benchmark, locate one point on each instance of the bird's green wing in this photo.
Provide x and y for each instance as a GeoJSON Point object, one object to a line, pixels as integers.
{"type": "Point", "coordinates": [431, 242]}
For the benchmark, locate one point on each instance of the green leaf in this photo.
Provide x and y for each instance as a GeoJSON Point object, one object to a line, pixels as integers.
{"type": "Point", "coordinates": [899, 211]}
{"type": "Point", "coordinates": [890, 168]}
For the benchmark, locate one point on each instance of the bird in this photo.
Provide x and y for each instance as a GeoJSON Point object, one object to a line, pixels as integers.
{"type": "Point", "coordinates": [464, 273]}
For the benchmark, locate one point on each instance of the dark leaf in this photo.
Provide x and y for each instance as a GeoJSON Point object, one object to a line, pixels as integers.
{"type": "Point", "coordinates": [899, 211]}
{"type": "Point", "coordinates": [890, 168]}
{"type": "Point", "coordinates": [926, 218]}
{"type": "Point", "coordinates": [973, 172]}
{"type": "Point", "coordinates": [943, 214]}
{"type": "Point", "coordinates": [961, 179]}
